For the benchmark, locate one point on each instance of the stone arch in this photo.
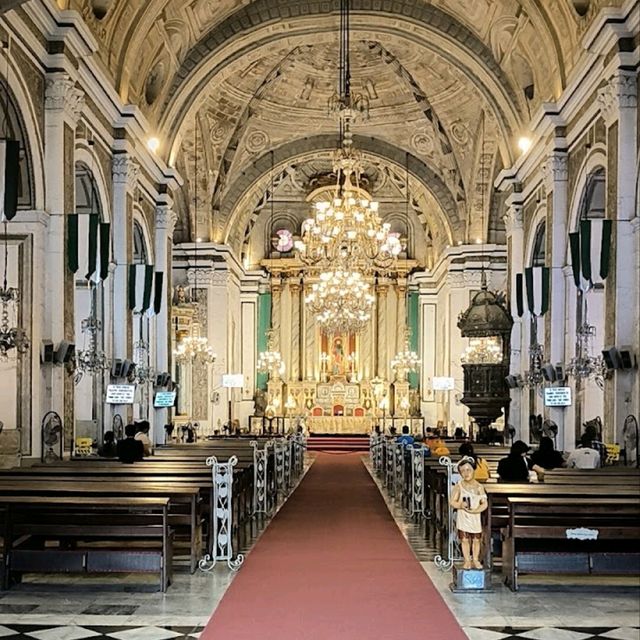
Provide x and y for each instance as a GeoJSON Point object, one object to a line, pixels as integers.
{"type": "Point", "coordinates": [85, 155]}
{"type": "Point", "coordinates": [225, 45]}
{"type": "Point", "coordinates": [30, 135]}
{"type": "Point", "coordinates": [452, 224]}
{"type": "Point", "coordinates": [538, 219]}
{"type": "Point", "coordinates": [140, 221]}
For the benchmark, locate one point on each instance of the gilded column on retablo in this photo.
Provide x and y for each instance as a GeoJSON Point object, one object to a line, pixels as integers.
{"type": "Point", "coordinates": [294, 287]}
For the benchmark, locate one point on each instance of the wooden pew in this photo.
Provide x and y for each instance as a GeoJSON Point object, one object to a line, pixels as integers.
{"type": "Point", "coordinates": [29, 521]}
{"type": "Point", "coordinates": [540, 537]}
{"type": "Point", "coordinates": [497, 513]}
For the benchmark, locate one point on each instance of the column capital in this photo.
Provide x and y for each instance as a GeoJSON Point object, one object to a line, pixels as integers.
{"type": "Point", "coordinates": [620, 92]}
{"type": "Point", "coordinates": [514, 218]}
{"type": "Point", "coordinates": [125, 170]}
{"type": "Point", "coordinates": [555, 169]}
{"type": "Point", "coordinates": [62, 95]}
{"type": "Point", "coordinates": [165, 218]}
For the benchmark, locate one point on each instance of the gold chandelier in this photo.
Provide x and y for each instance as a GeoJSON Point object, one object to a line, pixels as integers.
{"type": "Point", "coordinates": [194, 348]}
{"type": "Point", "coordinates": [270, 361]}
{"type": "Point", "coordinates": [405, 360]}
{"type": "Point", "coordinates": [348, 228]}
{"type": "Point", "coordinates": [341, 301]}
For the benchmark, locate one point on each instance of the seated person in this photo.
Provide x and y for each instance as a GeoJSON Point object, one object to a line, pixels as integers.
{"type": "Point", "coordinates": [406, 438]}
{"type": "Point", "coordinates": [142, 434]}
{"type": "Point", "coordinates": [459, 434]}
{"type": "Point", "coordinates": [482, 473]}
{"type": "Point", "coordinates": [109, 448]}
{"type": "Point", "coordinates": [392, 432]}
{"type": "Point", "coordinates": [546, 456]}
{"type": "Point", "coordinates": [585, 456]}
{"type": "Point", "coordinates": [516, 466]}
{"type": "Point", "coordinates": [130, 450]}
{"type": "Point", "coordinates": [437, 446]}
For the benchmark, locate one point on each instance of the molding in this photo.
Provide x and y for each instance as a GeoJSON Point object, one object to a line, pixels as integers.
{"type": "Point", "coordinates": [125, 170]}
{"type": "Point", "coordinates": [62, 95]}
{"type": "Point", "coordinates": [210, 277]}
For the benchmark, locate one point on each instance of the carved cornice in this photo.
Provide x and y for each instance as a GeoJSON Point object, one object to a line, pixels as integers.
{"type": "Point", "coordinates": [166, 219]}
{"type": "Point", "coordinates": [514, 218]}
{"type": "Point", "coordinates": [464, 279]}
{"type": "Point", "coordinates": [621, 92]}
{"type": "Point", "coordinates": [62, 95]}
{"type": "Point", "coordinates": [125, 170]}
{"type": "Point", "coordinates": [208, 277]}
{"type": "Point", "coordinates": [555, 169]}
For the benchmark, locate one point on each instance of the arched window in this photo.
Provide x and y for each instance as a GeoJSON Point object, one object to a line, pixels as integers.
{"type": "Point", "coordinates": [539, 252]}
{"type": "Point", "coordinates": [87, 198]}
{"type": "Point", "coordinates": [593, 202]}
{"type": "Point", "coordinates": [140, 253]}
{"type": "Point", "coordinates": [12, 127]}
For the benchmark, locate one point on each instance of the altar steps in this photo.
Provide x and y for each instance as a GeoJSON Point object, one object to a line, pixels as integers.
{"type": "Point", "coordinates": [338, 444]}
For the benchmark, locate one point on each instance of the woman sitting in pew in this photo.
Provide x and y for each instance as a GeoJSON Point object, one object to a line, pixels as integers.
{"type": "Point", "coordinates": [108, 448]}
{"type": "Point", "coordinates": [130, 450]}
{"type": "Point", "coordinates": [516, 466]}
{"type": "Point", "coordinates": [482, 473]}
{"type": "Point", "coordinates": [546, 456]}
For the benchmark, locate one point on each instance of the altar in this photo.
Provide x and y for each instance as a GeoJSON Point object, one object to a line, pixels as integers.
{"type": "Point", "coordinates": [339, 424]}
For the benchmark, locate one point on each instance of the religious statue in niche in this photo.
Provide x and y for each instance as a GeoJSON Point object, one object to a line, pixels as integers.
{"type": "Point", "coordinates": [338, 360]}
{"type": "Point", "coordinates": [338, 354]}
{"type": "Point", "coordinates": [470, 500]}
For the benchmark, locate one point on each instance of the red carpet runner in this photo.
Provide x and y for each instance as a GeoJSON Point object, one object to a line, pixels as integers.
{"type": "Point", "coordinates": [333, 566]}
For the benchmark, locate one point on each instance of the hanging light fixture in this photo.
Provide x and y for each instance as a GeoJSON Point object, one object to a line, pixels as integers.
{"type": "Point", "coordinates": [12, 336]}
{"type": "Point", "coordinates": [583, 365]}
{"type": "Point", "coordinates": [347, 228]}
{"type": "Point", "coordinates": [270, 361]}
{"type": "Point", "coordinates": [195, 348]}
{"type": "Point", "coordinates": [406, 360]}
{"type": "Point", "coordinates": [341, 301]}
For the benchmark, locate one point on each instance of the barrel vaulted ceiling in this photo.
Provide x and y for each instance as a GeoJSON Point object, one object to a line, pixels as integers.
{"type": "Point", "coordinates": [255, 77]}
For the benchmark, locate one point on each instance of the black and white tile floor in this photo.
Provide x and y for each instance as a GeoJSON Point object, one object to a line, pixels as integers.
{"type": "Point", "coordinates": [76, 632]}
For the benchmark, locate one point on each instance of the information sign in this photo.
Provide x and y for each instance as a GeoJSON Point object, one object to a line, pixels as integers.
{"type": "Point", "coordinates": [120, 393]}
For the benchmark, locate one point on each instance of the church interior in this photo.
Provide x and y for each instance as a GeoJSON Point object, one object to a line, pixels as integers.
{"type": "Point", "coordinates": [319, 319]}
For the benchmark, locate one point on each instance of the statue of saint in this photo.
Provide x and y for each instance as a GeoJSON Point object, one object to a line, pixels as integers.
{"type": "Point", "coordinates": [337, 357]}
{"type": "Point", "coordinates": [470, 500]}
{"type": "Point", "coordinates": [180, 295]}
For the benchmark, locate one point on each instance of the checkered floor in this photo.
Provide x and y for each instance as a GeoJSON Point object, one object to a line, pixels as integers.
{"type": "Point", "coordinates": [553, 633]}
{"type": "Point", "coordinates": [58, 632]}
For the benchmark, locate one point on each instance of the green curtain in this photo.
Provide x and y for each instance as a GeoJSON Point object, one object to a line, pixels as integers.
{"type": "Point", "coordinates": [264, 322]}
{"type": "Point", "coordinates": [413, 318]}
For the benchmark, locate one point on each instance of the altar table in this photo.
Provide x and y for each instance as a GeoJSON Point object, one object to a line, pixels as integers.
{"type": "Point", "coordinates": [339, 424]}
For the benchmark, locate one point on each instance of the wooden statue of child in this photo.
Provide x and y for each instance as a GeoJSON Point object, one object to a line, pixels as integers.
{"type": "Point", "coordinates": [470, 500]}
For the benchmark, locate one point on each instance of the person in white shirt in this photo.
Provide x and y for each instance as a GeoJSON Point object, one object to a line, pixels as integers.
{"type": "Point", "coordinates": [142, 434]}
{"type": "Point", "coordinates": [584, 457]}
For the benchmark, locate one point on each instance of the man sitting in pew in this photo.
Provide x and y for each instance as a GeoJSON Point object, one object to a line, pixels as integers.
{"type": "Point", "coordinates": [585, 456]}
{"type": "Point", "coordinates": [546, 456]}
{"type": "Point", "coordinates": [130, 450]}
{"type": "Point", "coordinates": [142, 434]}
{"type": "Point", "coordinates": [406, 438]}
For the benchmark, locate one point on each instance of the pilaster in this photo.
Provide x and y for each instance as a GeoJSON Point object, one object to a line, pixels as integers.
{"type": "Point", "coordinates": [63, 105]}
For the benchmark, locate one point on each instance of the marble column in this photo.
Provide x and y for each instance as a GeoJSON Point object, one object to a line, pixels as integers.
{"type": "Point", "coordinates": [309, 339]}
{"type": "Point", "coordinates": [401, 316]}
{"type": "Point", "coordinates": [125, 178]}
{"type": "Point", "coordinates": [513, 221]}
{"type": "Point", "coordinates": [556, 176]}
{"type": "Point", "coordinates": [276, 310]}
{"type": "Point", "coordinates": [165, 222]}
{"type": "Point", "coordinates": [63, 106]}
{"type": "Point", "coordinates": [381, 371]}
{"type": "Point", "coordinates": [294, 288]}
{"type": "Point", "coordinates": [618, 103]}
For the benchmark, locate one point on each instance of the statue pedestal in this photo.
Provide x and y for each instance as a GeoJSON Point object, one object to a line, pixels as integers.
{"type": "Point", "coordinates": [470, 580]}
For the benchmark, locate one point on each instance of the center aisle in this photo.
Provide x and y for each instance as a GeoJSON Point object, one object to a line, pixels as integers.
{"type": "Point", "coordinates": [333, 566]}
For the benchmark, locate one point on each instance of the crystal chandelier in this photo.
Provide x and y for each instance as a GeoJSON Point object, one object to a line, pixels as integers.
{"type": "Point", "coordinates": [11, 337]}
{"type": "Point", "coordinates": [348, 228]}
{"type": "Point", "coordinates": [406, 360]}
{"type": "Point", "coordinates": [144, 372]}
{"type": "Point", "coordinates": [583, 365]}
{"type": "Point", "coordinates": [194, 348]}
{"type": "Point", "coordinates": [90, 359]}
{"type": "Point", "coordinates": [485, 350]}
{"type": "Point", "coordinates": [270, 361]}
{"type": "Point", "coordinates": [342, 301]}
